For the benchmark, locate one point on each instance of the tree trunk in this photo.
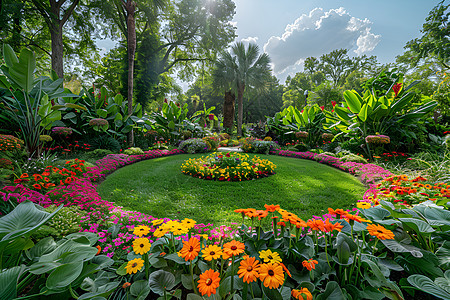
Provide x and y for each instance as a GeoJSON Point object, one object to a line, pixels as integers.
{"type": "Point", "coordinates": [130, 7]}
{"type": "Point", "coordinates": [240, 108]}
{"type": "Point", "coordinates": [57, 51]}
{"type": "Point", "coordinates": [228, 111]}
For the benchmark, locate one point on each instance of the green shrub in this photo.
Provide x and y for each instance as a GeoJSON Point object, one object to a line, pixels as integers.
{"type": "Point", "coordinates": [98, 153]}
{"type": "Point", "coordinates": [212, 141]}
{"type": "Point", "coordinates": [105, 142]}
{"type": "Point", "coordinates": [263, 146]}
{"type": "Point", "coordinates": [133, 151]}
{"type": "Point", "coordinates": [301, 147]}
{"type": "Point", "coordinates": [193, 146]}
{"type": "Point", "coordinates": [447, 141]}
{"type": "Point", "coordinates": [353, 158]}
{"type": "Point", "coordinates": [65, 222]}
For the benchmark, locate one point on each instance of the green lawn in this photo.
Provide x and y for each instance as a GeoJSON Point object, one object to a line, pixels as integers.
{"type": "Point", "coordinates": [157, 187]}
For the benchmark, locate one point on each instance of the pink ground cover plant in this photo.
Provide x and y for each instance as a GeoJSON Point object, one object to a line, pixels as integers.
{"type": "Point", "coordinates": [368, 173]}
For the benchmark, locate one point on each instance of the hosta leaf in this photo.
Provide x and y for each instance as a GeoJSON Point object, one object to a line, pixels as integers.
{"type": "Point", "coordinates": [425, 284]}
{"type": "Point", "coordinates": [160, 281]}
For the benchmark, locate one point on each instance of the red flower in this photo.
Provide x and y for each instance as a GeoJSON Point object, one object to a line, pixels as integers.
{"type": "Point", "coordinates": [333, 103]}
{"type": "Point", "coordinates": [396, 88]}
{"type": "Point", "coordinates": [211, 117]}
{"type": "Point", "coordinates": [37, 186]}
{"type": "Point", "coordinates": [322, 107]}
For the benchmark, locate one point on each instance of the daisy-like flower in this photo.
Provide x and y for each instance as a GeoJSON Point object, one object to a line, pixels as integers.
{"type": "Point", "coordinates": [269, 257]}
{"type": "Point", "coordinates": [180, 229]}
{"type": "Point", "coordinates": [329, 227]}
{"type": "Point", "coordinates": [337, 212]}
{"type": "Point", "coordinates": [157, 222]}
{"type": "Point", "coordinates": [141, 246]}
{"type": "Point", "coordinates": [141, 230]}
{"type": "Point", "coordinates": [316, 224]}
{"type": "Point", "coordinates": [248, 269]}
{"type": "Point", "coordinates": [298, 294]}
{"type": "Point", "coordinates": [356, 218]}
{"type": "Point", "coordinates": [188, 223]}
{"type": "Point", "coordinates": [211, 252]}
{"type": "Point", "coordinates": [134, 265]}
{"type": "Point", "coordinates": [249, 212]}
{"type": "Point", "coordinates": [233, 248]}
{"type": "Point", "coordinates": [260, 214]}
{"type": "Point", "coordinates": [380, 232]}
{"type": "Point", "coordinates": [271, 208]}
{"type": "Point", "coordinates": [271, 275]}
{"type": "Point", "coordinates": [363, 205]}
{"type": "Point", "coordinates": [190, 249]}
{"type": "Point", "coordinates": [160, 232]}
{"type": "Point", "coordinates": [310, 264]}
{"type": "Point", "coordinates": [208, 282]}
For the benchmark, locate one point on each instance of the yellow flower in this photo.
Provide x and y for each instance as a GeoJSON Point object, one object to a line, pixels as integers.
{"type": "Point", "coordinates": [141, 246]}
{"type": "Point", "coordinates": [141, 230]}
{"type": "Point", "coordinates": [134, 265]}
{"type": "Point", "coordinates": [157, 222]}
{"type": "Point", "coordinates": [269, 257]}
{"type": "Point", "coordinates": [180, 229]}
{"type": "Point", "coordinates": [363, 205]}
{"type": "Point", "coordinates": [160, 232]}
{"type": "Point", "coordinates": [188, 223]}
{"type": "Point", "coordinates": [211, 252]}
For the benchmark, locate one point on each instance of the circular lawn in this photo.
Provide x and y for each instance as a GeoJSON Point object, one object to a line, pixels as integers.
{"type": "Point", "coordinates": [158, 188]}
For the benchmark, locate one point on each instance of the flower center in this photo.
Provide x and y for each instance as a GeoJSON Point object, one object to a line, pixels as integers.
{"type": "Point", "coordinates": [212, 253]}
{"type": "Point", "coordinates": [208, 281]}
{"type": "Point", "coordinates": [134, 265]}
{"type": "Point", "coordinates": [141, 245]}
{"type": "Point", "coordinates": [379, 231]}
{"type": "Point", "coordinates": [233, 247]}
{"type": "Point", "coordinates": [249, 268]}
{"type": "Point", "coordinates": [271, 273]}
{"type": "Point", "coordinates": [191, 249]}
{"type": "Point", "coordinates": [270, 257]}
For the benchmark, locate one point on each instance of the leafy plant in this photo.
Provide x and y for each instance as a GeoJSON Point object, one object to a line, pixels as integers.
{"type": "Point", "coordinates": [29, 100]}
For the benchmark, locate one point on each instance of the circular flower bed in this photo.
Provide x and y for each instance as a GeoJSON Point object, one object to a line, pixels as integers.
{"type": "Point", "coordinates": [228, 167]}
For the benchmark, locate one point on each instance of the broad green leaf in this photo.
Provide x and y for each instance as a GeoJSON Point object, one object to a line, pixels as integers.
{"type": "Point", "coordinates": [22, 72]}
{"type": "Point", "coordinates": [102, 113]}
{"type": "Point", "coordinates": [425, 284]}
{"type": "Point", "coordinates": [353, 101]}
{"type": "Point", "coordinates": [46, 245]}
{"type": "Point", "coordinates": [444, 282]}
{"type": "Point", "coordinates": [342, 113]}
{"type": "Point", "coordinates": [272, 294]}
{"type": "Point", "coordinates": [363, 112]}
{"type": "Point", "coordinates": [9, 56]}
{"type": "Point", "coordinates": [193, 297]}
{"type": "Point", "coordinates": [395, 246]}
{"type": "Point", "coordinates": [63, 275]}
{"type": "Point", "coordinates": [160, 281]}
{"type": "Point", "coordinates": [417, 225]}
{"type": "Point", "coordinates": [443, 254]}
{"type": "Point", "coordinates": [140, 289]}
{"type": "Point", "coordinates": [8, 282]}
{"type": "Point", "coordinates": [332, 292]}
{"type": "Point", "coordinates": [69, 116]}
{"type": "Point", "coordinates": [24, 219]}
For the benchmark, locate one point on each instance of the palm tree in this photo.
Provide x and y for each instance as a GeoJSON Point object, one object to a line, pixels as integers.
{"type": "Point", "coordinates": [239, 69]}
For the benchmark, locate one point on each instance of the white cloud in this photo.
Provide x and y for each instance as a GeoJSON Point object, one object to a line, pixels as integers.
{"type": "Point", "coordinates": [250, 39]}
{"type": "Point", "coordinates": [318, 33]}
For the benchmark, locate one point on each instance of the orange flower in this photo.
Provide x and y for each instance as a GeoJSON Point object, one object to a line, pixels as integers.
{"type": "Point", "coordinates": [380, 232]}
{"type": "Point", "coordinates": [337, 212]}
{"type": "Point", "coordinates": [190, 249]}
{"type": "Point", "coordinates": [125, 285]}
{"type": "Point", "coordinates": [316, 224]}
{"type": "Point", "coordinates": [99, 249]}
{"type": "Point", "coordinates": [249, 212]}
{"type": "Point", "coordinates": [68, 180]}
{"type": "Point", "coordinates": [300, 223]}
{"type": "Point", "coordinates": [248, 269]}
{"type": "Point", "coordinates": [260, 214]}
{"type": "Point", "coordinates": [37, 186]}
{"type": "Point", "coordinates": [208, 282]}
{"type": "Point", "coordinates": [37, 177]}
{"type": "Point", "coordinates": [356, 218]}
{"type": "Point", "coordinates": [329, 227]}
{"type": "Point", "coordinates": [298, 294]}
{"type": "Point", "coordinates": [310, 264]}
{"type": "Point", "coordinates": [286, 270]}
{"type": "Point", "coordinates": [272, 275]}
{"type": "Point", "coordinates": [271, 208]}
{"type": "Point", "coordinates": [24, 175]}
{"type": "Point", "coordinates": [233, 248]}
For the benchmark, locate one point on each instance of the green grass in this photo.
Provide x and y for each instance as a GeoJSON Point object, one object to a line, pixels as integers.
{"type": "Point", "coordinates": [157, 187]}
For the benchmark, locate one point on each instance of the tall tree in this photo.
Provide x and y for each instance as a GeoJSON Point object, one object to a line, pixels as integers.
{"type": "Point", "coordinates": [336, 65]}
{"type": "Point", "coordinates": [435, 41]}
{"type": "Point", "coordinates": [243, 68]}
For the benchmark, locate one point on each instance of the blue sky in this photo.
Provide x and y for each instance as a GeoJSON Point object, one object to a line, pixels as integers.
{"type": "Point", "coordinates": [291, 30]}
